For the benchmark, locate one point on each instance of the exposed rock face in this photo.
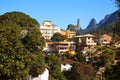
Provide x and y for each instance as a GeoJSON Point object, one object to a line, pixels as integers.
{"type": "Point", "coordinates": [92, 24]}
{"type": "Point", "coordinates": [78, 26]}
{"type": "Point", "coordinates": [104, 20]}
{"type": "Point", "coordinates": [109, 19]}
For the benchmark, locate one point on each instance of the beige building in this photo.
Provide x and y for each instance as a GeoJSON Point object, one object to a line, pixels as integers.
{"type": "Point", "coordinates": [63, 32]}
{"type": "Point", "coordinates": [61, 47]}
{"type": "Point", "coordinates": [85, 41]}
{"type": "Point", "coordinates": [48, 29]}
{"type": "Point", "coordinates": [105, 39]}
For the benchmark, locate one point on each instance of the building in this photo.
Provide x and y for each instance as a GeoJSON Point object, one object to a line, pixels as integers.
{"type": "Point", "coordinates": [61, 47]}
{"type": "Point", "coordinates": [70, 34]}
{"type": "Point", "coordinates": [117, 44]}
{"type": "Point", "coordinates": [105, 39]}
{"type": "Point", "coordinates": [86, 41]}
{"type": "Point", "coordinates": [66, 65]}
{"type": "Point", "coordinates": [65, 46]}
{"type": "Point", "coordinates": [63, 32]}
{"type": "Point", "coordinates": [48, 29]}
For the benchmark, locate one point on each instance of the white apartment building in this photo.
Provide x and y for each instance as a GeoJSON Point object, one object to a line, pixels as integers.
{"type": "Point", "coordinates": [48, 29]}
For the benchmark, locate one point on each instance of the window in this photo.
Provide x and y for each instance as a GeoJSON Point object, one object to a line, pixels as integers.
{"type": "Point", "coordinates": [88, 37]}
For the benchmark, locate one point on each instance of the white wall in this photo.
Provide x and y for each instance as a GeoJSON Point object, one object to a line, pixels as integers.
{"type": "Point", "coordinates": [65, 67]}
{"type": "Point", "coordinates": [43, 76]}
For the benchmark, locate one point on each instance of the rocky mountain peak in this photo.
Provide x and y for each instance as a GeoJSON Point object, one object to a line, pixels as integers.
{"type": "Point", "coordinates": [104, 20]}
{"type": "Point", "coordinates": [92, 23]}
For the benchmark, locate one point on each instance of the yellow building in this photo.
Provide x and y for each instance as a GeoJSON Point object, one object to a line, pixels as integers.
{"type": "Point", "coordinates": [68, 33]}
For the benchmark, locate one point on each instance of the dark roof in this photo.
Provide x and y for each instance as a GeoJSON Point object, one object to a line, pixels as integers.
{"type": "Point", "coordinates": [68, 61]}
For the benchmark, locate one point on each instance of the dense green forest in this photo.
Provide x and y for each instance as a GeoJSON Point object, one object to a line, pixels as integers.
{"type": "Point", "coordinates": [20, 47]}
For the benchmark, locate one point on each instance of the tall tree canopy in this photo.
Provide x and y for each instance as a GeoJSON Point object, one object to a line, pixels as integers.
{"type": "Point", "coordinates": [112, 72]}
{"type": "Point", "coordinates": [81, 71]}
{"type": "Point", "coordinates": [58, 37]}
{"type": "Point", "coordinates": [20, 43]}
{"type": "Point", "coordinates": [54, 63]}
{"type": "Point", "coordinates": [108, 57]}
{"type": "Point", "coordinates": [71, 27]}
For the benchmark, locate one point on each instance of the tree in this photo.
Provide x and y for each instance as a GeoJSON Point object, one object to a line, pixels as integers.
{"type": "Point", "coordinates": [112, 72]}
{"type": "Point", "coordinates": [80, 57]}
{"type": "Point", "coordinates": [58, 37]}
{"type": "Point", "coordinates": [71, 27]}
{"type": "Point", "coordinates": [13, 55]}
{"type": "Point", "coordinates": [81, 71]}
{"type": "Point", "coordinates": [108, 57]}
{"type": "Point", "coordinates": [21, 44]}
{"type": "Point", "coordinates": [54, 64]}
{"type": "Point", "coordinates": [38, 65]}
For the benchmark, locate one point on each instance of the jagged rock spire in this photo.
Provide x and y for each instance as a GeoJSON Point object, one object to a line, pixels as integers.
{"type": "Point", "coordinates": [78, 27]}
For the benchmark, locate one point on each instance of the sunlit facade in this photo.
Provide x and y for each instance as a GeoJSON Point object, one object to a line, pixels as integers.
{"type": "Point", "coordinates": [48, 29]}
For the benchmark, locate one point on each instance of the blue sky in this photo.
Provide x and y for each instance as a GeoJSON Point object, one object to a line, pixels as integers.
{"type": "Point", "coordinates": [61, 12]}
